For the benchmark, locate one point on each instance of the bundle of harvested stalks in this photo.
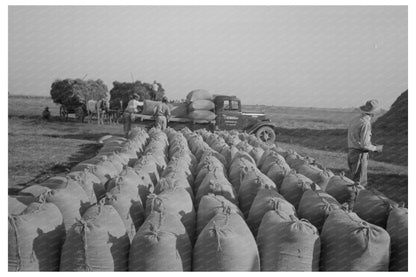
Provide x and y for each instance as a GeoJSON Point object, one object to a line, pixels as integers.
{"type": "Point", "coordinates": [72, 92]}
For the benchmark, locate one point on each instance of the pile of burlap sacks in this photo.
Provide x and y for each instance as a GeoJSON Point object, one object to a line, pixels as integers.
{"type": "Point", "coordinates": [198, 106]}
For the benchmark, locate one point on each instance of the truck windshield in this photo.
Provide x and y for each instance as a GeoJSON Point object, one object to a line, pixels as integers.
{"type": "Point", "coordinates": [234, 105]}
{"type": "Point", "coordinates": [231, 105]}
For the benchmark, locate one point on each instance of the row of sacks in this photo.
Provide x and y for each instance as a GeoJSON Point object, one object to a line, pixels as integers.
{"type": "Point", "coordinates": [374, 218]}
{"type": "Point", "coordinates": [173, 248]}
{"type": "Point", "coordinates": [105, 230]}
{"type": "Point", "coordinates": [224, 241]}
{"type": "Point", "coordinates": [141, 246]}
{"type": "Point", "coordinates": [227, 143]}
{"type": "Point", "coordinates": [294, 174]}
{"type": "Point", "coordinates": [244, 141]}
{"type": "Point", "coordinates": [256, 193]}
{"type": "Point", "coordinates": [299, 173]}
{"type": "Point", "coordinates": [299, 186]}
{"type": "Point", "coordinates": [101, 240]}
{"type": "Point", "coordinates": [370, 206]}
{"type": "Point", "coordinates": [40, 216]}
{"type": "Point", "coordinates": [164, 241]}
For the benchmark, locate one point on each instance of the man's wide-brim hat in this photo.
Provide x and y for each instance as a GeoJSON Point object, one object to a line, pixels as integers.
{"type": "Point", "coordinates": [370, 107]}
{"type": "Point", "coordinates": [136, 95]}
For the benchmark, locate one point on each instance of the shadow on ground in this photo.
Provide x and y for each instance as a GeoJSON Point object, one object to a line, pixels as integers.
{"type": "Point", "coordinates": [80, 136]}
{"type": "Point", "coordinates": [38, 117]}
{"type": "Point", "coordinates": [394, 186]}
{"type": "Point", "coordinates": [85, 152]}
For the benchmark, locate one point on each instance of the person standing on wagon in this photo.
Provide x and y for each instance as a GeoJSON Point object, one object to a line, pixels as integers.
{"type": "Point", "coordinates": [161, 112]}
{"type": "Point", "coordinates": [155, 89]}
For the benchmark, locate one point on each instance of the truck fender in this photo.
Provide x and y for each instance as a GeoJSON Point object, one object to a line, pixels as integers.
{"type": "Point", "coordinates": [254, 128]}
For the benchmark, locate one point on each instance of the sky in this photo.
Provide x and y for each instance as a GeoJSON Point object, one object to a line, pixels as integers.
{"type": "Point", "coordinates": [301, 56]}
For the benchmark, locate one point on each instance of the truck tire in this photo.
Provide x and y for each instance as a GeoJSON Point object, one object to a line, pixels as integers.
{"type": "Point", "coordinates": [266, 134]}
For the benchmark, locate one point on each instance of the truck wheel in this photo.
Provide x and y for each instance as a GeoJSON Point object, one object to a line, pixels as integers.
{"type": "Point", "coordinates": [266, 134]}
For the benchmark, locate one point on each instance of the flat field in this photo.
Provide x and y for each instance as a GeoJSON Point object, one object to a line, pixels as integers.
{"type": "Point", "coordinates": [38, 148]}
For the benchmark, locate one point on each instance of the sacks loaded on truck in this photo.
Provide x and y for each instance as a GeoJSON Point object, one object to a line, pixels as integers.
{"type": "Point", "coordinates": [198, 94]}
{"type": "Point", "coordinates": [202, 115]}
{"type": "Point", "coordinates": [200, 105]}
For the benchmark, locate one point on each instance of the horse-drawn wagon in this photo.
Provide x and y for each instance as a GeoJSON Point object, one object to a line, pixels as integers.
{"type": "Point", "coordinates": [73, 96]}
{"type": "Point", "coordinates": [79, 110]}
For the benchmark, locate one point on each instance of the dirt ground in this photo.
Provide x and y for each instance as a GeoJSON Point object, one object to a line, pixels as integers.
{"type": "Point", "coordinates": [38, 149]}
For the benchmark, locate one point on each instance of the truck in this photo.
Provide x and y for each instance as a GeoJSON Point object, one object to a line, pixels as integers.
{"type": "Point", "coordinates": [229, 116]}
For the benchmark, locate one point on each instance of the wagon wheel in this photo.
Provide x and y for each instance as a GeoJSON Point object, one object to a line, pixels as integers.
{"type": "Point", "coordinates": [63, 113]}
{"type": "Point", "coordinates": [119, 119]}
{"type": "Point", "coordinates": [266, 134]}
{"type": "Point", "coordinates": [79, 113]}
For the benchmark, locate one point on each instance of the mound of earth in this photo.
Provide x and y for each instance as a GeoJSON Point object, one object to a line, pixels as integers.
{"type": "Point", "coordinates": [391, 130]}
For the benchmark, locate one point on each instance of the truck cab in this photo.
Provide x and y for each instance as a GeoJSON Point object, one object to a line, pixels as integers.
{"type": "Point", "coordinates": [230, 116]}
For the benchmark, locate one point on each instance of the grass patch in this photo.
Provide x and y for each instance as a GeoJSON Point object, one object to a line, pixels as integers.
{"type": "Point", "coordinates": [38, 148]}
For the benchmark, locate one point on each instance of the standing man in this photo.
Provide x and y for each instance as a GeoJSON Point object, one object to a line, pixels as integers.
{"type": "Point", "coordinates": [134, 104]}
{"type": "Point", "coordinates": [132, 107]}
{"type": "Point", "coordinates": [359, 142]}
{"type": "Point", "coordinates": [155, 89]}
{"type": "Point", "coordinates": [161, 112]}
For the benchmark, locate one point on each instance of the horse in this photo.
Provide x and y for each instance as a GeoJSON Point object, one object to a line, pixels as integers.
{"type": "Point", "coordinates": [98, 108]}
{"type": "Point", "coordinates": [113, 116]}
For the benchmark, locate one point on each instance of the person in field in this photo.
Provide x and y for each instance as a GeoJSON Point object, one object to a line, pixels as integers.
{"type": "Point", "coordinates": [135, 105]}
{"type": "Point", "coordinates": [46, 114]}
{"type": "Point", "coordinates": [161, 112]}
{"type": "Point", "coordinates": [359, 142]}
{"type": "Point", "coordinates": [155, 89]}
